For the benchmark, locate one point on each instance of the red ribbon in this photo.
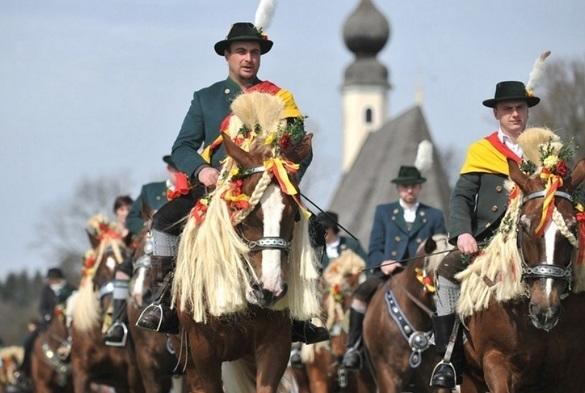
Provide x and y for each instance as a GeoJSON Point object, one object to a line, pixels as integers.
{"type": "Point", "coordinates": [181, 187]}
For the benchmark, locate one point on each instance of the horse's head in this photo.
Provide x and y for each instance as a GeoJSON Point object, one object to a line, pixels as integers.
{"type": "Point", "coordinates": [547, 242]}
{"type": "Point", "coordinates": [268, 228]}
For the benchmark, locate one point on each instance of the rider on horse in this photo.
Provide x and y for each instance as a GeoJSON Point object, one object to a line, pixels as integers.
{"type": "Point", "coordinates": [152, 196]}
{"type": "Point", "coordinates": [477, 205]}
{"type": "Point", "coordinates": [242, 50]}
{"type": "Point", "coordinates": [399, 228]}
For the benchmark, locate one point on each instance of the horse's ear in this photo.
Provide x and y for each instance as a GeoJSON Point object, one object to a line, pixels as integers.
{"type": "Point", "coordinates": [301, 150]}
{"type": "Point", "coordinates": [517, 175]}
{"type": "Point", "coordinates": [240, 156]}
{"type": "Point", "coordinates": [578, 174]}
{"type": "Point", "coordinates": [430, 245]}
{"type": "Point", "coordinates": [92, 240]}
{"type": "Point", "coordinates": [146, 212]}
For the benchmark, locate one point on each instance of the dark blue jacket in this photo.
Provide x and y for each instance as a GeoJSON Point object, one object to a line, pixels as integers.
{"type": "Point", "coordinates": [390, 237]}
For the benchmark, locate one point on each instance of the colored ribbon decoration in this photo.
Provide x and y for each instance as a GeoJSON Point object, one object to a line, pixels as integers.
{"type": "Point", "coordinates": [553, 182]}
{"type": "Point", "coordinates": [207, 153]}
{"type": "Point", "coordinates": [281, 168]}
{"type": "Point", "coordinates": [580, 217]}
{"type": "Point", "coordinates": [181, 187]}
{"type": "Point", "coordinates": [426, 281]}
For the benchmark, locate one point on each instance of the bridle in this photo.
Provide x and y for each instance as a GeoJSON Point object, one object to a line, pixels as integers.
{"type": "Point", "coordinates": [544, 270]}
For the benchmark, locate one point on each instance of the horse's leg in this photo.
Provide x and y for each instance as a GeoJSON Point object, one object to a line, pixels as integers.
{"type": "Point", "coordinates": [80, 381]}
{"type": "Point", "coordinates": [317, 372]}
{"type": "Point", "coordinates": [497, 372]}
{"type": "Point", "coordinates": [204, 377]}
{"type": "Point", "coordinates": [388, 380]}
{"type": "Point", "coordinates": [469, 385]}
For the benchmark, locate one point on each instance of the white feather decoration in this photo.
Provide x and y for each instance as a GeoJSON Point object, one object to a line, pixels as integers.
{"type": "Point", "coordinates": [264, 14]}
{"type": "Point", "coordinates": [536, 73]}
{"type": "Point", "coordinates": [424, 156]}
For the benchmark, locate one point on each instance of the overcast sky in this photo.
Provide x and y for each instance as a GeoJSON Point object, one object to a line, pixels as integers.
{"type": "Point", "coordinates": [93, 87]}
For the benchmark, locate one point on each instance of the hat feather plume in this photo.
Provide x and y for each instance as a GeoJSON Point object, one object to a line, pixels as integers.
{"type": "Point", "coordinates": [424, 156]}
{"type": "Point", "coordinates": [264, 14]}
{"type": "Point", "coordinates": [537, 71]}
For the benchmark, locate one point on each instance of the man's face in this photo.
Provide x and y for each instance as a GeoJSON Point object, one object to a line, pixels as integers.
{"type": "Point", "coordinates": [122, 212]}
{"type": "Point", "coordinates": [512, 116]}
{"type": "Point", "coordinates": [409, 193]}
{"type": "Point", "coordinates": [243, 60]}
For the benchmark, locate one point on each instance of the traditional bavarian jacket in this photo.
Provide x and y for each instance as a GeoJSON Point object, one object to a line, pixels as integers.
{"type": "Point", "coordinates": [393, 238]}
{"type": "Point", "coordinates": [478, 201]}
{"type": "Point", "coordinates": [153, 195]}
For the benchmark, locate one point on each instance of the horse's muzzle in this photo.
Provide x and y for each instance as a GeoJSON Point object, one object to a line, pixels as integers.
{"type": "Point", "coordinates": [544, 318]}
{"type": "Point", "coordinates": [265, 298]}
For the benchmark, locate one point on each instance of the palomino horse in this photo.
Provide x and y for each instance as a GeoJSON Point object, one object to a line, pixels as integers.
{"type": "Point", "coordinates": [51, 357]}
{"type": "Point", "coordinates": [322, 371]}
{"type": "Point", "coordinates": [93, 361]}
{"type": "Point", "coordinates": [397, 325]}
{"type": "Point", "coordinates": [235, 267]}
{"type": "Point", "coordinates": [520, 342]}
{"type": "Point", "coordinates": [153, 358]}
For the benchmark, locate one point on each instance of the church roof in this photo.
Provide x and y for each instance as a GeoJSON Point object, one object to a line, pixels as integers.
{"type": "Point", "coordinates": [367, 183]}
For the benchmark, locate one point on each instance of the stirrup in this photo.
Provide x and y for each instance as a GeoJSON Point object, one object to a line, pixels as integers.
{"type": "Point", "coordinates": [155, 306]}
{"type": "Point", "coordinates": [121, 343]}
{"type": "Point", "coordinates": [355, 350]}
{"type": "Point", "coordinates": [449, 365]}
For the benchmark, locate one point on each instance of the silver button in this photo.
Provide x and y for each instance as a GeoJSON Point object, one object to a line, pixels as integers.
{"type": "Point", "coordinates": [227, 91]}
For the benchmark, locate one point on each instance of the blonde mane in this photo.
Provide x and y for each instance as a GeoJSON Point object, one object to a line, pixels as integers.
{"type": "Point", "coordinates": [212, 277]}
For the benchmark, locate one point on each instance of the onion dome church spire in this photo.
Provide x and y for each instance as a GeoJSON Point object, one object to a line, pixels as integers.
{"type": "Point", "coordinates": [365, 86]}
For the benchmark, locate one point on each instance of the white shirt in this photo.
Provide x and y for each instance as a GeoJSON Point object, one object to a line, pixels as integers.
{"type": "Point", "coordinates": [506, 140]}
{"type": "Point", "coordinates": [332, 248]}
{"type": "Point", "coordinates": [409, 211]}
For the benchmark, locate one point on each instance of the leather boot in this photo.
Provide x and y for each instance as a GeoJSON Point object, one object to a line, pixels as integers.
{"type": "Point", "coordinates": [117, 334]}
{"type": "Point", "coordinates": [158, 315]}
{"type": "Point", "coordinates": [306, 332]}
{"type": "Point", "coordinates": [447, 374]}
{"type": "Point", "coordinates": [352, 360]}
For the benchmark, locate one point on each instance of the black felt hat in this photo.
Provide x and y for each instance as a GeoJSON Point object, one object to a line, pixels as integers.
{"type": "Point", "coordinates": [511, 91]}
{"type": "Point", "coordinates": [408, 175]}
{"type": "Point", "coordinates": [244, 31]}
{"type": "Point", "coordinates": [328, 220]}
{"type": "Point", "coordinates": [169, 160]}
{"type": "Point", "coordinates": [55, 273]}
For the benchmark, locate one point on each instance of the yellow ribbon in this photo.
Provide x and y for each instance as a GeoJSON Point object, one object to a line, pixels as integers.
{"type": "Point", "coordinates": [280, 169]}
{"type": "Point", "coordinates": [209, 150]}
{"type": "Point", "coordinates": [553, 182]}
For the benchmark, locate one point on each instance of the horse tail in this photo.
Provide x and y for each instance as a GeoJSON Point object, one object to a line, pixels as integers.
{"type": "Point", "coordinates": [239, 376]}
{"type": "Point", "coordinates": [85, 308]}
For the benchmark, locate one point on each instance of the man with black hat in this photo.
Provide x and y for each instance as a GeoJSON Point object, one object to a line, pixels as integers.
{"type": "Point", "coordinates": [478, 202]}
{"type": "Point", "coordinates": [399, 228]}
{"type": "Point", "coordinates": [335, 244]}
{"type": "Point", "coordinates": [242, 49]}
{"type": "Point", "coordinates": [152, 197]}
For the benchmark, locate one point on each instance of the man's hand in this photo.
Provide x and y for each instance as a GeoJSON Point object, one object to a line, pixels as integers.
{"type": "Point", "coordinates": [467, 244]}
{"type": "Point", "coordinates": [389, 266]}
{"type": "Point", "coordinates": [208, 176]}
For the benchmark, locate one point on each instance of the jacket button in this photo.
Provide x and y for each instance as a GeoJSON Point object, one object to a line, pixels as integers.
{"type": "Point", "coordinates": [393, 218]}
{"type": "Point", "coordinates": [424, 220]}
{"type": "Point", "coordinates": [397, 238]}
{"type": "Point", "coordinates": [227, 91]}
{"type": "Point", "coordinates": [499, 188]}
{"type": "Point", "coordinates": [494, 208]}
{"type": "Point", "coordinates": [395, 211]}
{"type": "Point", "coordinates": [418, 240]}
{"type": "Point", "coordinates": [393, 253]}
{"type": "Point", "coordinates": [158, 198]}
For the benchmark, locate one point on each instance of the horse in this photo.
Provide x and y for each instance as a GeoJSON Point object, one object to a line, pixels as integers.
{"type": "Point", "coordinates": [322, 371]}
{"type": "Point", "coordinates": [245, 266]}
{"type": "Point", "coordinates": [524, 322]}
{"type": "Point", "coordinates": [154, 355]}
{"type": "Point", "coordinates": [93, 361]}
{"type": "Point", "coordinates": [397, 324]}
{"type": "Point", "coordinates": [51, 356]}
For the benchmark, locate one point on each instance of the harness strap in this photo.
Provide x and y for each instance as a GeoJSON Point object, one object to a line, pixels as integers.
{"type": "Point", "coordinates": [269, 243]}
{"type": "Point", "coordinates": [542, 193]}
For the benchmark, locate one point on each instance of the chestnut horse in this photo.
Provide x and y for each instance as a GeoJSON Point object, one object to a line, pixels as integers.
{"type": "Point", "coordinates": [395, 364]}
{"type": "Point", "coordinates": [92, 360]}
{"type": "Point", "coordinates": [527, 344]}
{"type": "Point", "coordinates": [230, 287]}
{"type": "Point", "coordinates": [153, 358]}
{"type": "Point", "coordinates": [51, 356]}
{"type": "Point", "coordinates": [322, 371]}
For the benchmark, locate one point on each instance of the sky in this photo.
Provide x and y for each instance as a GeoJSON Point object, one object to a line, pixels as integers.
{"type": "Point", "coordinates": [100, 88]}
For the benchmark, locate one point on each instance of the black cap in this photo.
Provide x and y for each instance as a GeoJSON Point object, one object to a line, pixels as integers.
{"type": "Point", "coordinates": [244, 31]}
{"type": "Point", "coordinates": [511, 91]}
{"type": "Point", "coordinates": [408, 175]}
{"type": "Point", "coordinates": [328, 220]}
{"type": "Point", "coordinates": [55, 273]}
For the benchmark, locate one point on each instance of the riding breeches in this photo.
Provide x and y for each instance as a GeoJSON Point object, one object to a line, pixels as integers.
{"type": "Point", "coordinates": [170, 218]}
{"type": "Point", "coordinates": [366, 290]}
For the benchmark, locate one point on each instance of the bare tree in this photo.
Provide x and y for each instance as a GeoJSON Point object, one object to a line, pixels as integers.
{"type": "Point", "coordinates": [61, 233]}
{"type": "Point", "coordinates": [562, 108]}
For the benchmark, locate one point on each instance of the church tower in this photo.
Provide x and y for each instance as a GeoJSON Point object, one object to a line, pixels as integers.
{"type": "Point", "coordinates": [365, 86]}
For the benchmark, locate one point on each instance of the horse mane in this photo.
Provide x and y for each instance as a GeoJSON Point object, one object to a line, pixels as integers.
{"type": "Point", "coordinates": [85, 307]}
{"type": "Point", "coordinates": [211, 275]}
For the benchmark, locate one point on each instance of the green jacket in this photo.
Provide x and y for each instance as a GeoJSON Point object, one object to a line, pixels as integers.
{"type": "Point", "coordinates": [201, 125]}
{"type": "Point", "coordinates": [344, 244]}
{"type": "Point", "coordinates": [153, 195]}
{"type": "Point", "coordinates": [478, 202]}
